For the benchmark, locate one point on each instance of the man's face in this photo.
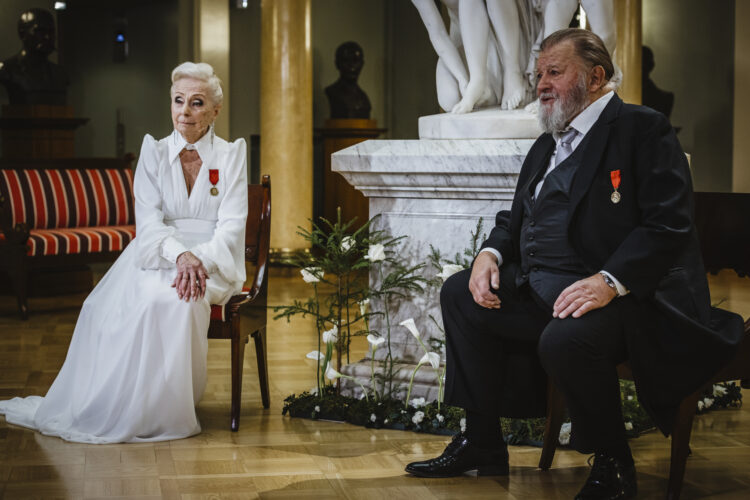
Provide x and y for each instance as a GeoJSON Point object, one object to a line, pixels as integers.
{"type": "Point", "coordinates": [350, 63]}
{"type": "Point", "coordinates": [561, 86]}
{"type": "Point", "coordinates": [38, 33]}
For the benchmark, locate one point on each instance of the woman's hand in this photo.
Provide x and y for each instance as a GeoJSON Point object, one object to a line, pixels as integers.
{"type": "Point", "coordinates": [190, 281]}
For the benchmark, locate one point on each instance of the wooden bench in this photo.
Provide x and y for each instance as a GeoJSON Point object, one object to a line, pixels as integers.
{"type": "Point", "coordinates": [58, 213]}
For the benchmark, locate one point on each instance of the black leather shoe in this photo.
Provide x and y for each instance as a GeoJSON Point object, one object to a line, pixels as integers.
{"type": "Point", "coordinates": [462, 456]}
{"type": "Point", "coordinates": [609, 480]}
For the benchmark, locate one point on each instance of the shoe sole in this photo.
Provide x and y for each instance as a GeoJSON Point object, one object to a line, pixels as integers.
{"type": "Point", "coordinates": [485, 470]}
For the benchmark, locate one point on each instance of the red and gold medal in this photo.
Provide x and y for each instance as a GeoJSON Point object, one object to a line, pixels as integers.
{"type": "Point", "coordinates": [213, 177]}
{"type": "Point", "coordinates": [614, 175]}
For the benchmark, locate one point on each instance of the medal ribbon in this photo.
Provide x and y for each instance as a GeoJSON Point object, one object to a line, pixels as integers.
{"type": "Point", "coordinates": [213, 175]}
{"type": "Point", "coordinates": [614, 175]}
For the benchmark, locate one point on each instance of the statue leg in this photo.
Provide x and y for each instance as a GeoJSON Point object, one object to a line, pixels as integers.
{"type": "Point", "coordinates": [448, 92]}
{"type": "Point", "coordinates": [601, 16]}
{"type": "Point", "coordinates": [475, 32]}
{"type": "Point", "coordinates": [558, 14]}
{"type": "Point", "coordinates": [505, 21]}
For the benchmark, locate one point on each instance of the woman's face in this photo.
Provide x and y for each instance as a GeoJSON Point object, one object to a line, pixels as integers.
{"type": "Point", "coordinates": [193, 110]}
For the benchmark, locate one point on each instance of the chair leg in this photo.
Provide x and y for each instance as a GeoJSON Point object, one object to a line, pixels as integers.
{"type": "Point", "coordinates": [260, 353]}
{"type": "Point", "coordinates": [238, 357]}
{"type": "Point", "coordinates": [681, 444]}
{"type": "Point", "coordinates": [555, 411]}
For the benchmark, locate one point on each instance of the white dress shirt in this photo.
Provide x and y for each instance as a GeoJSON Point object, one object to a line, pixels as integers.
{"type": "Point", "coordinates": [582, 124]}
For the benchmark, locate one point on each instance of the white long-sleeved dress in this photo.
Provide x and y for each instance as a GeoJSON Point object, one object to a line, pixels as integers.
{"type": "Point", "coordinates": [136, 365]}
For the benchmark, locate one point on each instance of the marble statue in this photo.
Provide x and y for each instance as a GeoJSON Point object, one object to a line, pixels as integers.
{"type": "Point", "coordinates": [487, 55]}
{"type": "Point", "coordinates": [28, 76]}
{"type": "Point", "coordinates": [345, 97]}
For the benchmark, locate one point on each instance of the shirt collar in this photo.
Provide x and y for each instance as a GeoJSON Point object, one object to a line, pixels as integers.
{"type": "Point", "coordinates": [204, 145]}
{"type": "Point", "coordinates": [586, 118]}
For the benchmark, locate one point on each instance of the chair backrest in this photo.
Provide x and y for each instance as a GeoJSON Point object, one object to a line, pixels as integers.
{"type": "Point", "coordinates": [258, 229]}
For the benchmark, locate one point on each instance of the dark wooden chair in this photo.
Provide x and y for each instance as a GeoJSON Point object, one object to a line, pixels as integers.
{"type": "Point", "coordinates": [226, 321]}
{"type": "Point", "coordinates": [724, 232]}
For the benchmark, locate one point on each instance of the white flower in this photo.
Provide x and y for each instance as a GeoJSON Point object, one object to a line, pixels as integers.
{"type": "Point", "coordinates": [564, 437]}
{"type": "Point", "coordinates": [628, 426]}
{"type": "Point", "coordinates": [440, 418]}
{"type": "Point", "coordinates": [719, 390]}
{"type": "Point", "coordinates": [331, 373]}
{"type": "Point", "coordinates": [331, 336]}
{"type": "Point", "coordinates": [700, 405]}
{"type": "Point", "coordinates": [708, 402]}
{"type": "Point", "coordinates": [630, 397]}
{"type": "Point", "coordinates": [411, 326]}
{"type": "Point", "coordinates": [315, 355]}
{"type": "Point", "coordinates": [449, 270]}
{"type": "Point", "coordinates": [462, 423]}
{"type": "Point", "coordinates": [431, 357]}
{"type": "Point", "coordinates": [373, 418]}
{"type": "Point", "coordinates": [418, 417]}
{"type": "Point", "coordinates": [375, 341]}
{"type": "Point", "coordinates": [385, 421]}
{"type": "Point", "coordinates": [314, 391]}
{"type": "Point", "coordinates": [311, 274]}
{"type": "Point", "coordinates": [375, 253]}
{"type": "Point", "coordinates": [317, 409]}
{"type": "Point", "coordinates": [363, 306]}
{"type": "Point", "coordinates": [347, 243]}
{"type": "Point", "coordinates": [417, 402]}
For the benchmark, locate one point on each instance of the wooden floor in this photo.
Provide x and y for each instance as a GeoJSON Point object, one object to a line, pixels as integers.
{"type": "Point", "coordinates": [277, 457]}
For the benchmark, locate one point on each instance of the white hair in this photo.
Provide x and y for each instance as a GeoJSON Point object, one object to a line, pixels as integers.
{"type": "Point", "coordinates": [203, 72]}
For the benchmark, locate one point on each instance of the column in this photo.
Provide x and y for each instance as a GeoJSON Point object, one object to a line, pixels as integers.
{"type": "Point", "coordinates": [286, 120]}
{"type": "Point", "coordinates": [628, 50]}
{"type": "Point", "coordinates": [211, 45]}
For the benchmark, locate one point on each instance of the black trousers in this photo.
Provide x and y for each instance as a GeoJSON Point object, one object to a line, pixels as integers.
{"type": "Point", "coordinates": [498, 359]}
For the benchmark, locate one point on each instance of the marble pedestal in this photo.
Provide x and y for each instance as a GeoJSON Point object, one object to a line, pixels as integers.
{"type": "Point", "coordinates": [433, 191]}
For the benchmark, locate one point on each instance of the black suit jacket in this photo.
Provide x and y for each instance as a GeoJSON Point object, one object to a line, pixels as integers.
{"type": "Point", "coordinates": [676, 340]}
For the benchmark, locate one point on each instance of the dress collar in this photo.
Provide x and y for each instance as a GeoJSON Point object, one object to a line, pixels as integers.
{"type": "Point", "coordinates": [204, 145]}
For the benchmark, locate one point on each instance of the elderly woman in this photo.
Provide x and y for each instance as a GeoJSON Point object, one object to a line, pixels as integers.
{"type": "Point", "coordinates": [136, 366]}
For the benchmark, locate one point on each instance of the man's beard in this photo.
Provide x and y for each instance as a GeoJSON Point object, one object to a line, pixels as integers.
{"type": "Point", "coordinates": [556, 117]}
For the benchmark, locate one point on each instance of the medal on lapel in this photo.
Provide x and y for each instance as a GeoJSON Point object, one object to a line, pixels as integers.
{"type": "Point", "coordinates": [614, 175]}
{"type": "Point", "coordinates": [213, 177]}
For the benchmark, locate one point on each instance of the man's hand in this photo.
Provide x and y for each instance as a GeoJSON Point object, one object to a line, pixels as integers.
{"type": "Point", "coordinates": [190, 281]}
{"type": "Point", "coordinates": [484, 273]}
{"type": "Point", "coordinates": [583, 296]}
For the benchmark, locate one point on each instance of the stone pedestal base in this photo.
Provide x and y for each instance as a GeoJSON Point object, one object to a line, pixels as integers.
{"type": "Point", "coordinates": [487, 123]}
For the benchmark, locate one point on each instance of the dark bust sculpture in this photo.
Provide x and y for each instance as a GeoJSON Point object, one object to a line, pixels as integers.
{"type": "Point", "coordinates": [651, 95]}
{"type": "Point", "coordinates": [28, 76]}
{"type": "Point", "coordinates": [345, 97]}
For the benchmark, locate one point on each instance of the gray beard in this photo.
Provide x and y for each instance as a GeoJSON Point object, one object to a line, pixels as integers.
{"type": "Point", "coordinates": [563, 110]}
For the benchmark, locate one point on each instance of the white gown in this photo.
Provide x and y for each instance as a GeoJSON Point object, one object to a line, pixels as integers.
{"type": "Point", "coordinates": [136, 366]}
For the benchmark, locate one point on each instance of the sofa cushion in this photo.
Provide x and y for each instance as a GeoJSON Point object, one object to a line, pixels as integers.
{"type": "Point", "coordinates": [68, 241]}
{"type": "Point", "coordinates": [63, 198]}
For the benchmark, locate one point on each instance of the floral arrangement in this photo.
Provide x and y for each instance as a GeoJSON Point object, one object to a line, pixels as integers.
{"type": "Point", "coordinates": [341, 262]}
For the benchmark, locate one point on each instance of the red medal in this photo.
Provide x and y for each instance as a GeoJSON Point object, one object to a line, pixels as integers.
{"type": "Point", "coordinates": [614, 175]}
{"type": "Point", "coordinates": [213, 177]}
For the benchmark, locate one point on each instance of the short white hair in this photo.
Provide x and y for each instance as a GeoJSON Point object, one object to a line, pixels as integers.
{"type": "Point", "coordinates": [203, 72]}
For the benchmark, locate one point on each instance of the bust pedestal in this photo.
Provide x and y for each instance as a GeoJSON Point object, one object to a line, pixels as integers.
{"type": "Point", "coordinates": [337, 134]}
{"type": "Point", "coordinates": [39, 131]}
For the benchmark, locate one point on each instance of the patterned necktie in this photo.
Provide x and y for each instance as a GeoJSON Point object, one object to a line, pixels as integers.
{"type": "Point", "coordinates": [565, 148]}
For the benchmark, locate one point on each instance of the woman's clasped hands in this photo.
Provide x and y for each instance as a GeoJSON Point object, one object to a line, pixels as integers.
{"type": "Point", "coordinates": [190, 281]}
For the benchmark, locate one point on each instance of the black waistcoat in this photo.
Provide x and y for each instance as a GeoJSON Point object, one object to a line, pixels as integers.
{"type": "Point", "coordinates": [548, 261]}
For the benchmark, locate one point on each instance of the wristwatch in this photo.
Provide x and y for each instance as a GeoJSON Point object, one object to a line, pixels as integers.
{"type": "Point", "coordinates": [610, 283]}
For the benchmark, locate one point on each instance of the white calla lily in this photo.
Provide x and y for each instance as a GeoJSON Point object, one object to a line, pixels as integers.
{"type": "Point", "coordinates": [431, 357]}
{"type": "Point", "coordinates": [312, 274]}
{"type": "Point", "coordinates": [363, 306]}
{"type": "Point", "coordinates": [375, 253]}
{"type": "Point", "coordinates": [449, 270]}
{"type": "Point", "coordinates": [332, 335]}
{"type": "Point", "coordinates": [411, 326]}
{"type": "Point", "coordinates": [347, 243]}
{"type": "Point", "coordinates": [375, 341]}
{"type": "Point", "coordinates": [331, 373]}
{"type": "Point", "coordinates": [315, 355]}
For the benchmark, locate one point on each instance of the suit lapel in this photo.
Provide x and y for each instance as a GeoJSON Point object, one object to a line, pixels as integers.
{"type": "Point", "coordinates": [592, 156]}
{"type": "Point", "coordinates": [538, 165]}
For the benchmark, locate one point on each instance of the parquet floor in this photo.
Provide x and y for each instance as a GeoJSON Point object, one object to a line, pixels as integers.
{"type": "Point", "coordinates": [278, 457]}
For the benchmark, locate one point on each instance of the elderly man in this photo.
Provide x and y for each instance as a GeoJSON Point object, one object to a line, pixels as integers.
{"type": "Point", "coordinates": [596, 262]}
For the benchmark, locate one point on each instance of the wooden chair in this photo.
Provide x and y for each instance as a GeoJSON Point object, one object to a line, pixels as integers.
{"type": "Point", "coordinates": [723, 226]}
{"type": "Point", "coordinates": [225, 320]}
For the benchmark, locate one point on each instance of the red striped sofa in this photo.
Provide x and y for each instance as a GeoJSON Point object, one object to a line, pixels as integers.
{"type": "Point", "coordinates": [63, 212]}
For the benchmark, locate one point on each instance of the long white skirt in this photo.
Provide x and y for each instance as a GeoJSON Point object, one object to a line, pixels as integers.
{"type": "Point", "coordinates": [136, 366]}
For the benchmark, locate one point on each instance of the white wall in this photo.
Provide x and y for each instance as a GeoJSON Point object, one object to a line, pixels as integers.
{"type": "Point", "coordinates": [693, 44]}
